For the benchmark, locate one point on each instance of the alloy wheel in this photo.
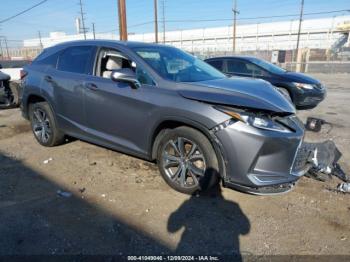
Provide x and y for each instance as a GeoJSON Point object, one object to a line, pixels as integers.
{"type": "Point", "coordinates": [41, 125]}
{"type": "Point", "coordinates": [183, 162]}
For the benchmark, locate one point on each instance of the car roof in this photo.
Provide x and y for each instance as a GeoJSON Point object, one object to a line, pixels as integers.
{"type": "Point", "coordinates": [243, 57]}
{"type": "Point", "coordinates": [105, 42]}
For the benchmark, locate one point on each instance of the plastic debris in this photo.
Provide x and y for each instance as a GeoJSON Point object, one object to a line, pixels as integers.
{"type": "Point", "coordinates": [64, 193]}
{"type": "Point", "coordinates": [324, 159]}
{"type": "Point", "coordinates": [344, 187]}
{"type": "Point", "coordinates": [314, 124]}
{"type": "Point", "coordinates": [47, 160]}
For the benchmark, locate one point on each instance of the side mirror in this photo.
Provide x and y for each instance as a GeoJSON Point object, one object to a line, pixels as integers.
{"type": "Point", "coordinates": [1, 66]}
{"type": "Point", "coordinates": [127, 76]}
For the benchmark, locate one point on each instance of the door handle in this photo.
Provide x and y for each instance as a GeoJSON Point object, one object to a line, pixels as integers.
{"type": "Point", "coordinates": [48, 78]}
{"type": "Point", "coordinates": [91, 86]}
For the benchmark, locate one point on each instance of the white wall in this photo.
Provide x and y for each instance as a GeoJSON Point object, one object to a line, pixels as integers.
{"type": "Point", "coordinates": [316, 33]}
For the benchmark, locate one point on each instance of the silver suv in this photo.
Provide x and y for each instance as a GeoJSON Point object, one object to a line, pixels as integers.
{"type": "Point", "coordinates": [161, 104]}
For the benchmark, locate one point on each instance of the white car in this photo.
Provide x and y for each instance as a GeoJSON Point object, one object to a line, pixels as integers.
{"type": "Point", "coordinates": [13, 68]}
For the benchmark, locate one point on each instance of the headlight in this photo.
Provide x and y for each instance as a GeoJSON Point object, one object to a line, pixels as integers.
{"type": "Point", "coordinates": [258, 121]}
{"type": "Point", "coordinates": [303, 86]}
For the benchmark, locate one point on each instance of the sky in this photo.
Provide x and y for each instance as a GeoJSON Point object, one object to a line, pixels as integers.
{"type": "Point", "coordinates": [59, 15]}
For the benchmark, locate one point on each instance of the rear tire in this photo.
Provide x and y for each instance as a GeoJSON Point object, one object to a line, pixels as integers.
{"type": "Point", "coordinates": [187, 160]}
{"type": "Point", "coordinates": [44, 125]}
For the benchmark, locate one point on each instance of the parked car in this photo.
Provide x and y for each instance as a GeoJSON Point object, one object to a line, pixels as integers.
{"type": "Point", "coordinates": [304, 91]}
{"type": "Point", "coordinates": [13, 68]}
{"type": "Point", "coordinates": [9, 92]}
{"type": "Point", "coordinates": [161, 104]}
{"type": "Point", "coordinates": [10, 78]}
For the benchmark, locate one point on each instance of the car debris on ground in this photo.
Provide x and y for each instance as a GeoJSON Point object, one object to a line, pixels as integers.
{"type": "Point", "coordinates": [47, 160]}
{"type": "Point", "coordinates": [323, 158]}
{"type": "Point", "coordinates": [344, 187]}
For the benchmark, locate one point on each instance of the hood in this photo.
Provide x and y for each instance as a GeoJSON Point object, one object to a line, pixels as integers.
{"type": "Point", "coordinates": [254, 94]}
{"type": "Point", "coordinates": [300, 78]}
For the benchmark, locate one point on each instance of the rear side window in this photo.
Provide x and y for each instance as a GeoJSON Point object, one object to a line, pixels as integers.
{"type": "Point", "coordinates": [216, 63]}
{"type": "Point", "coordinates": [50, 60]}
{"type": "Point", "coordinates": [77, 59]}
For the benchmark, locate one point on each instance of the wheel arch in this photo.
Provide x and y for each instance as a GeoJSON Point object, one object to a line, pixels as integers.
{"type": "Point", "coordinates": [32, 99]}
{"type": "Point", "coordinates": [171, 123]}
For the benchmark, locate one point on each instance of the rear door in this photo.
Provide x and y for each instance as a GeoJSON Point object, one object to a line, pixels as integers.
{"type": "Point", "coordinates": [67, 81]}
{"type": "Point", "coordinates": [244, 68]}
{"type": "Point", "coordinates": [237, 67]}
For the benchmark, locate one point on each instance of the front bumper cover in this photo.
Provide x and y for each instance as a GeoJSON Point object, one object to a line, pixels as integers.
{"type": "Point", "coordinates": [262, 161]}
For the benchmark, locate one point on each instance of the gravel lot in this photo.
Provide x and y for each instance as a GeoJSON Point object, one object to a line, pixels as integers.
{"type": "Point", "coordinates": [120, 204]}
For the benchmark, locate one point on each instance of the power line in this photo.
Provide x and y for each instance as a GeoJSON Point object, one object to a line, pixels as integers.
{"type": "Point", "coordinates": [22, 12]}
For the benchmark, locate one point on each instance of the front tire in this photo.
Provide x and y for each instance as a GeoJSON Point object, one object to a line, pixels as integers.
{"type": "Point", "coordinates": [44, 125]}
{"type": "Point", "coordinates": [187, 160]}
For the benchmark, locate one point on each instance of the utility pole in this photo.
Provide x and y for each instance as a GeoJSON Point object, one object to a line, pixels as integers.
{"type": "Point", "coordinates": [123, 33]}
{"type": "Point", "coordinates": [93, 30]}
{"type": "Point", "coordinates": [82, 19]}
{"type": "Point", "coordinates": [7, 48]}
{"type": "Point", "coordinates": [1, 51]}
{"type": "Point", "coordinates": [163, 13]}
{"type": "Point", "coordinates": [155, 21]}
{"type": "Point", "coordinates": [41, 43]}
{"type": "Point", "coordinates": [235, 12]}
{"type": "Point", "coordinates": [299, 30]}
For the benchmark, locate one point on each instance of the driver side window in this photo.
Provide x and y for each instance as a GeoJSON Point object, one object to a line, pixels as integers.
{"type": "Point", "coordinates": [110, 60]}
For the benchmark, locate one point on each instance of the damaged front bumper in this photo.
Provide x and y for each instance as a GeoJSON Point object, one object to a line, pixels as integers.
{"type": "Point", "coordinates": [268, 163]}
{"type": "Point", "coordinates": [262, 161]}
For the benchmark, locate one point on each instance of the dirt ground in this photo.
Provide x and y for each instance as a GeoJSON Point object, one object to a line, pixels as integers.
{"type": "Point", "coordinates": [120, 204]}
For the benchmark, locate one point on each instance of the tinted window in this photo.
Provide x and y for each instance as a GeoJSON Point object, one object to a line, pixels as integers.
{"type": "Point", "coordinates": [237, 66]}
{"type": "Point", "coordinates": [268, 66]}
{"type": "Point", "coordinates": [216, 63]}
{"type": "Point", "coordinates": [50, 60]}
{"type": "Point", "coordinates": [78, 59]}
{"type": "Point", "coordinates": [143, 77]}
{"type": "Point", "coordinates": [244, 67]}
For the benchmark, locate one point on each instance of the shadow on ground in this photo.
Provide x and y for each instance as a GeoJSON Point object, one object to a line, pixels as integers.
{"type": "Point", "coordinates": [35, 220]}
{"type": "Point", "coordinates": [212, 225]}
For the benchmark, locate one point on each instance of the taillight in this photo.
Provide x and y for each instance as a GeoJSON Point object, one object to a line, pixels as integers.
{"type": "Point", "coordinates": [23, 74]}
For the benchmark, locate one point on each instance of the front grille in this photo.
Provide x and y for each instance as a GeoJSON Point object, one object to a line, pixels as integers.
{"type": "Point", "coordinates": [302, 157]}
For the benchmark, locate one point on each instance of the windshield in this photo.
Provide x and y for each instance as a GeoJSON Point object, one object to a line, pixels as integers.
{"type": "Point", "coordinates": [268, 66]}
{"type": "Point", "coordinates": [176, 65]}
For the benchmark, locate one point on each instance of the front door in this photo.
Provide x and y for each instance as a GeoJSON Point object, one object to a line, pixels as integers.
{"type": "Point", "coordinates": [115, 112]}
